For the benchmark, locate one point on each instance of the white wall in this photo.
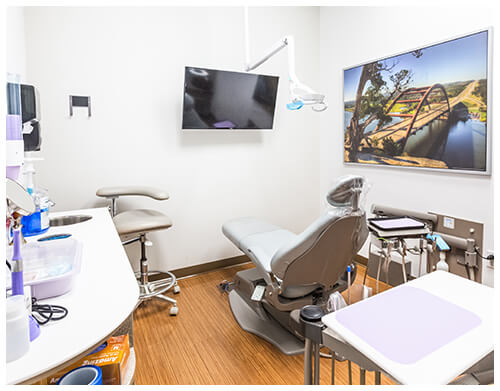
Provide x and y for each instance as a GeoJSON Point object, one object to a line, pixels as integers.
{"type": "Point", "coordinates": [15, 45]}
{"type": "Point", "coordinates": [131, 62]}
{"type": "Point", "coordinates": [351, 36]}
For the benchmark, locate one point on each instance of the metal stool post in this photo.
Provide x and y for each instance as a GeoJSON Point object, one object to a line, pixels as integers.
{"type": "Point", "coordinates": [144, 261]}
{"type": "Point", "coordinates": [156, 288]}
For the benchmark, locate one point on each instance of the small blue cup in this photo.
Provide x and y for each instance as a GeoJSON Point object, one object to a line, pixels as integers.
{"type": "Point", "coordinates": [88, 375]}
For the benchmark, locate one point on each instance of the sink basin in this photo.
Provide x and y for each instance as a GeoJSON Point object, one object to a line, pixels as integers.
{"type": "Point", "coordinates": [68, 220]}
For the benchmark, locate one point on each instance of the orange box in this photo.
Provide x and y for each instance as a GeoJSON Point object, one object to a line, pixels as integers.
{"type": "Point", "coordinates": [112, 359]}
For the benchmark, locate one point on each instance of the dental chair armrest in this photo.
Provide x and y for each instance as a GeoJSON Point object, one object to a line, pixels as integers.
{"type": "Point", "coordinates": [118, 191]}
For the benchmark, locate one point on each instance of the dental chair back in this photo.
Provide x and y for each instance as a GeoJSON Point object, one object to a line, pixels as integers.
{"type": "Point", "coordinates": [320, 254]}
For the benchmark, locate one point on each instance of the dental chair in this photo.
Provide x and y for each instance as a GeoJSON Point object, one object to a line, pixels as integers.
{"type": "Point", "coordinates": [132, 226]}
{"type": "Point", "coordinates": [294, 270]}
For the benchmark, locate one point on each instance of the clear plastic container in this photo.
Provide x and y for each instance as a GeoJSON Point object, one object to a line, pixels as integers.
{"type": "Point", "coordinates": [49, 267]}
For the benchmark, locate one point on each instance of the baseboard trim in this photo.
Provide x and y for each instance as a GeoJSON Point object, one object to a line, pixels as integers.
{"type": "Point", "coordinates": [361, 260]}
{"type": "Point", "coordinates": [226, 262]}
{"type": "Point", "coordinates": [210, 266]}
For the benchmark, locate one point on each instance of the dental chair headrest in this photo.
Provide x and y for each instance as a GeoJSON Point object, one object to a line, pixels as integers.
{"type": "Point", "coordinates": [346, 191]}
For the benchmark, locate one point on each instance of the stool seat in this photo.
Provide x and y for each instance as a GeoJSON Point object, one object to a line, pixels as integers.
{"type": "Point", "coordinates": [140, 221]}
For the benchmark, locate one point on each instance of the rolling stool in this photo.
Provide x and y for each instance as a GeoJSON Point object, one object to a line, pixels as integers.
{"type": "Point", "coordinates": [139, 222]}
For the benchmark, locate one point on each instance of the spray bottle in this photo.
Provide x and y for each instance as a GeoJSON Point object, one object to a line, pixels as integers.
{"type": "Point", "coordinates": [37, 222]}
{"type": "Point", "coordinates": [443, 247]}
{"type": "Point", "coordinates": [442, 265]}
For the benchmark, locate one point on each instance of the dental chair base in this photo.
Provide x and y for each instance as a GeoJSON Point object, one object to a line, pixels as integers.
{"type": "Point", "coordinates": [262, 318]}
{"type": "Point", "coordinates": [253, 318]}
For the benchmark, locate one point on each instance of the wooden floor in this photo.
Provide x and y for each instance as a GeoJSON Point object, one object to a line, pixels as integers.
{"type": "Point", "coordinates": [205, 345]}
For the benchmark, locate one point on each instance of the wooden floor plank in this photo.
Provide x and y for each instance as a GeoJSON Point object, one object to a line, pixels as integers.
{"type": "Point", "coordinates": [205, 345]}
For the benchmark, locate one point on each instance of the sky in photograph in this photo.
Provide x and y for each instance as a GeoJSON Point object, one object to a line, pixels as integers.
{"type": "Point", "coordinates": [457, 60]}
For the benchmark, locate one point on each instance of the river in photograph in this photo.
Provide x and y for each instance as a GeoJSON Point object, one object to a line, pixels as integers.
{"type": "Point", "coordinates": [460, 144]}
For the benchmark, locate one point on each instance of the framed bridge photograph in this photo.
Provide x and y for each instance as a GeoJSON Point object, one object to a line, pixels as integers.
{"type": "Point", "coordinates": [425, 108]}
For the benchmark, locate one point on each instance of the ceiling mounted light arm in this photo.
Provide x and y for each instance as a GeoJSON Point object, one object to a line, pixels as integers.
{"type": "Point", "coordinates": [278, 46]}
{"type": "Point", "coordinates": [300, 93]}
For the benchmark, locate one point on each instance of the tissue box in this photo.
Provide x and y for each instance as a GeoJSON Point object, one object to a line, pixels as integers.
{"type": "Point", "coordinates": [112, 357]}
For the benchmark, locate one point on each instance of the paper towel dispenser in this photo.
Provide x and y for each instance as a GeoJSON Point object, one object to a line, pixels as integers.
{"type": "Point", "coordinates": [30, 113]}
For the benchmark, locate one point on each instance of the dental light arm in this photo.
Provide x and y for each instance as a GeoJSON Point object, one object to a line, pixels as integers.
{"type": "Point", "coordinates": [300, 93]}
{"type": "Point", "coordinates": [276, 48]}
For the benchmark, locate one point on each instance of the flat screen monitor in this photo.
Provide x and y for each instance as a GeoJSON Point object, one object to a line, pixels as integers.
{"type": "Point", "coordinates": [216, 99]}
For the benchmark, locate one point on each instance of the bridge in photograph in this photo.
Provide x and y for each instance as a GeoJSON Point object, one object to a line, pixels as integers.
{"type": "Point", "coordinates": [425, 112]}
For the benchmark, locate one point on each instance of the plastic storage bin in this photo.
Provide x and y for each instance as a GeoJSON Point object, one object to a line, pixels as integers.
{"type": "Point", "coordinates": [49, 267]}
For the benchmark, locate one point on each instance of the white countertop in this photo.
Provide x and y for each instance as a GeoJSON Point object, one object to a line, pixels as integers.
{"type": "Point", "coordinates": [443, 361]}
{"type": "Point", "coordinates": [104, 295]}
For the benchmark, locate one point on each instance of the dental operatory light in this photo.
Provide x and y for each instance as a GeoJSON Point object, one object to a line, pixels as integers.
{"type": "Point", "coordinates": [198, 72]}
{"type": "Point", "coordinates": [300, 94]}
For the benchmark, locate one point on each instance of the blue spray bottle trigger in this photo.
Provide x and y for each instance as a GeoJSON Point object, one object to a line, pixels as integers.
{"type": "Point", "coordinates": [294, 105]}
{"type": "Point", "coordinates": [440, 242]}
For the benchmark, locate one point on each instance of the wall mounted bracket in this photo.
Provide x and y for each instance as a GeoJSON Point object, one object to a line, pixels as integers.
{"type": "Point", "coordinates": [79, 101]}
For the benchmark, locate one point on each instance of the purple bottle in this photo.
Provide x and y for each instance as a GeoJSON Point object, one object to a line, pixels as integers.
{"type": "Point", "coordinates": [17, 264]}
